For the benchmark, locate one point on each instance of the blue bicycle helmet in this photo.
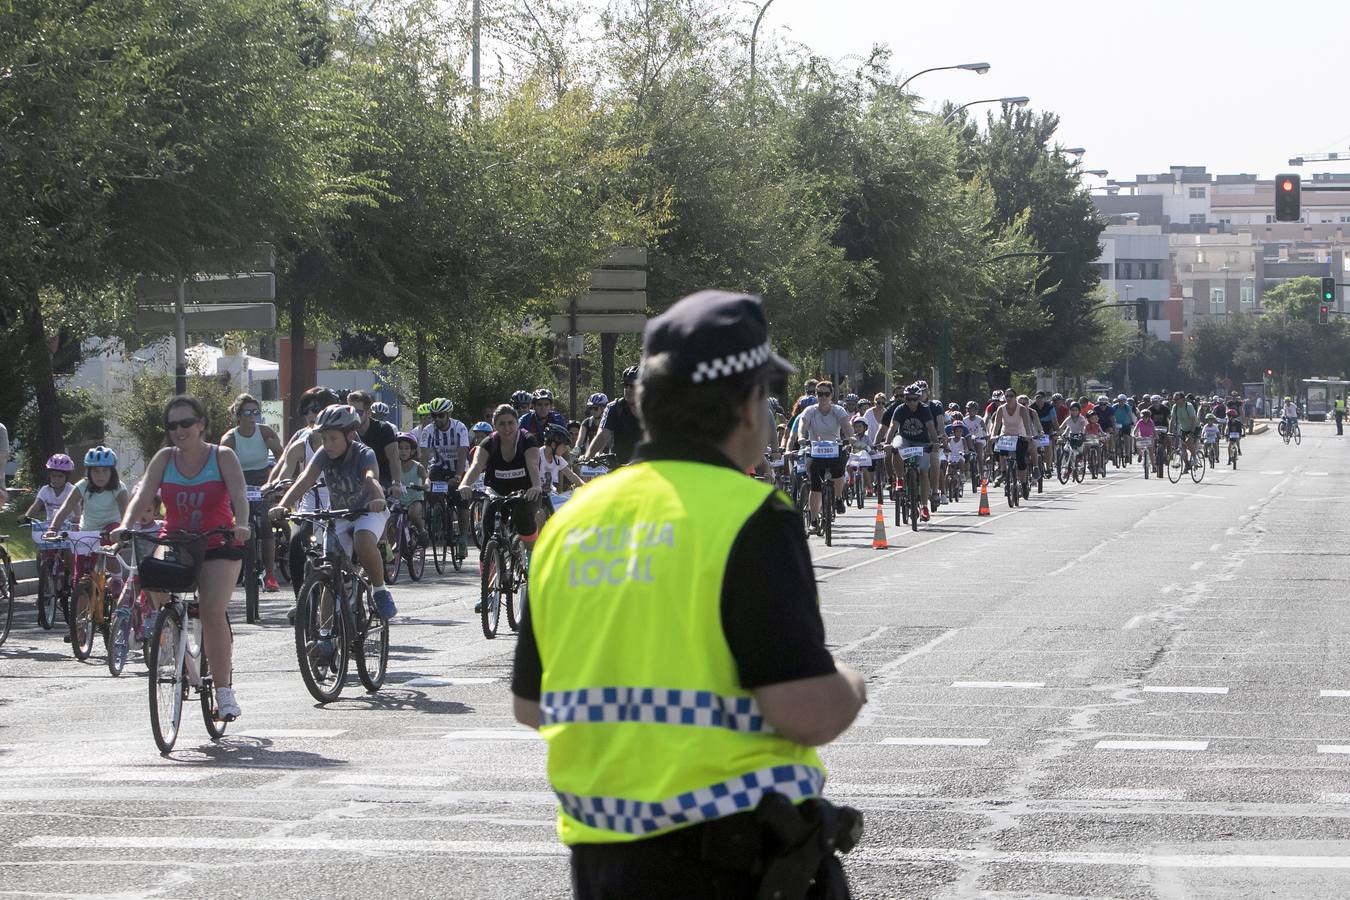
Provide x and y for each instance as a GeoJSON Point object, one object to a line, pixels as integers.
{"type": "Point", "coordinates": [597, 400]}
{"type": "Point", "coordinates": [484, 427]}
{"type": "Point", "coordinates": [100, 456]}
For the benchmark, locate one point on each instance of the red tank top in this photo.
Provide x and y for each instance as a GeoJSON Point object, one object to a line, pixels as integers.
{"type": "Point", "coordinates": [198, 503]}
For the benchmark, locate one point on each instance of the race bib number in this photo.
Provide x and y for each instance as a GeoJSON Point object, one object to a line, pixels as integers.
{"type": "Point", "coordinates": [253, 494]}
{"type": "Point", "coordinates": [589, 472]}
{"type": "Point", "coordinates": [912, 452]}
{"type": "Point", "coordinates": [1042, 441]}
{"type": "Point", "coordinates": [440, 487]}
{"type": "Point", "coordinates": [1006, 444]}
{"type": "Point", "coordinates": [1145, 442]}
{"type": "Point", "coordinates": [860, 460]}
{"type": "Point", "coordinates": [776, 464]}
{"type": "Point", "coordinates": [824, 450]}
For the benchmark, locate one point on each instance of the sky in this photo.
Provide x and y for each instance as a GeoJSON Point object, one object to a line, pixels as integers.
{"type": "Point", "coordinates": [1236, 86]}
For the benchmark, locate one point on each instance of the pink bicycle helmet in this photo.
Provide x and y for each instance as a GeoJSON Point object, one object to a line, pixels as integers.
{"type": "Point", "coordinates": [59, 462]}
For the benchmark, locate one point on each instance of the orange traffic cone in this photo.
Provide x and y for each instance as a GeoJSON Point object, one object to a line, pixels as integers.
{"type": "Point", "coordinates": [879, 534]}
{"type": "Point", "coordinates": [984, 497]}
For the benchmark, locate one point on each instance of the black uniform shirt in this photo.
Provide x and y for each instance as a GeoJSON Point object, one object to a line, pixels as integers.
{"type": "Point", "coordinates": [770, 613]}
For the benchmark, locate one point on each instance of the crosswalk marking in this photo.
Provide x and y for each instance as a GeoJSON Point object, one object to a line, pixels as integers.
{"type": "Point", "coordinates": [1181, 689]}
{"type": "Point", "coordinates": [493, 734]}
{"type": "Point", "coordinates": [396, 846]}
{"type": "Point", "coordinates": [999, 684]}
{"type": "Point", "coordinates": [1126, 794]}
{"type": "Point", "coordinates": [282, 733]}
{"type": "Point", "coordinates": [1333, 748]}
{"type": "Point", "coordinates": [935, 742]}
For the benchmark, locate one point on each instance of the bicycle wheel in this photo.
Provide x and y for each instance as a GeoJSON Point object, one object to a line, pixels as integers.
{"type": "Point", "coordinates": [1079, 468]}
{"type": "Point", "coordinates": [476, 511]}
{"type": "Point", "coordinates": [252, 563]}
{"type": "Point", "coordinates": [1298, 434]}
{"type": "Point", "coordinates": [1232, 454]}
{"type": "Point", "coordinates": [456, 550]}
{"type": "Point", "coordinates": [827, 510]}
{"type": "Point", "coordinates": [1175, 466]}
{"type": "Point", "coordinates": [117, 638]}
{"type": "Point", "coordinates": [372, 649]}
{"type": "Point", "coordinates": [515, 601]}
{"type": "Point", "coordinates": [901, 502]}
{"type": "Point", "coordinates": [6, 598]}
{"type": "Point", "coordinates": [168, 686]}
{"type": "Point", "coordinates": [323, 677]}
{"type": "Point", "coordinates": [436, 526]}
{"type": "Point", "coordinates": [82, 623]}
{"type": "Point", "coordinates": [1198, 468]}
{"type": "Point", "coordinates": [206, 693]}
{"type": "Point", "coordinates": [1063, 464]}
{"type": "Point", "coordinates": [281, 541]}
{"type": "Point", "coordinates": [415, 552]}
{"type": "Point", "coordinates": [48, 589]}
{"type": "Point", "coordinates": [496, 579]}
{"type": "Point", "coordinates": [1010, 481]}
{"type": "Point", "coordinates": [912, 496]}
{"type": "Point", "coordinates": [393, 549]}
{"type": "Point", "coordinates": [1147, 458]}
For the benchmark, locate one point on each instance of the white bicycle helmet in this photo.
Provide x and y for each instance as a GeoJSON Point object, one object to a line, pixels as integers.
{"type": "Point", "coordinates": [340, 416]}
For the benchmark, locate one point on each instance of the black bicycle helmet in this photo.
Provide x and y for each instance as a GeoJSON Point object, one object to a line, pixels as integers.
{"type": "Point", "coordinates": [630, 375]}
{"type": "Point", "coordinates": [556, 434]}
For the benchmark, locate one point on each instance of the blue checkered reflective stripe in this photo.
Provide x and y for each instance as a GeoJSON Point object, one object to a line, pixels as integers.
{"type": "Point", "coordinates": [739, 794]}
{"type": "Point", "coordinates": [656, 705]}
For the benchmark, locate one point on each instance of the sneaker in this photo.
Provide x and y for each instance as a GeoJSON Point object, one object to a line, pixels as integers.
{"type": "Point", "coordinates": [478, 607]}
{"type": "Point", "coordinates": [384, 604]}
{"type": "Point", "coordinates": [290, 615]}
{"type": "Point", "coordinates": [227, 708]}
{"type": "Point", "coordinates": [839, 507]}
{"type": "Point", "coordinates": [923, 514]}
{"type": "Point", "coordinates": [270, 583]}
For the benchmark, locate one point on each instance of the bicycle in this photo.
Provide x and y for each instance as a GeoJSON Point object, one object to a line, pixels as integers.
{"type": "Point", "coordinates": [1198, 460]}
{"type": "Point", "coordinates": [1145, 447]}
{"type": "Point", "coordinates": [1212, 452]}
{"type": "Point", "coordinates": [956, 479]}
{"type": "Point", "coordinates": [336, 604]}
{"type": "Point", "coordinates": [907, 489]}
{"type": "Point", "coordinates": [7, 585]}
{"type": "Point", "coordinates": [1289, 430]}
{"type": "Point", "coordinates": [176, 654]}
{"type": "Point", "coordinates": [403, 545]}
{"type": "Point", "coordinates": [1006, 447]}
{"type": "Point", "coordinates": [1096, 457]}
{"type": "Point", "coordinates": [505, 569]}
{"type": "Point", "coordinates": [54, 576]}
{"type": "Point", "coordinates": [855, 487]}
{"type": "Point", "coordinates": [1234, 450]}
{"type": "Point", "coordinates": [1072, 462]}
{"type": "Point", "coordinates": [132, 611]}
{"type": "Point", "coordinates": [442, 522]}
{"type": "Point", "coordinates": [1042, 441]}
{"type": "Point", "coordinates": [250, 573]}
{"type": "Point", "coordinates": [826, 450]}
{"type": "Point", "coordinates": [1124, 449]}
{"type": "Point", "coordinates": [90, 608]}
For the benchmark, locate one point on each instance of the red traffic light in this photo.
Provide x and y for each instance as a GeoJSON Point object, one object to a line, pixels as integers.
{"type": "Point", "coordinates": [1269, 372]}
{"type": "Point", "coordinates": [1286, 185]}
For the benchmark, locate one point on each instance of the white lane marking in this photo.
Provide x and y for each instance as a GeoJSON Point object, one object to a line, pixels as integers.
{"type": "Point", "coordinates": [395, 846]}
{"type": "Point", "coordinates": [493, 734]}
{"type": "Point", "coordinates": [1331, 797]}
{"type": "Point", "coordinates": [1274, 472]}
{"type": "Point", "coordinates": [153, 775]}
{"type": "Point", "coordinates": [1215, 548]}
{"type": "Point", "coordinates": [1126, 794]}
{"type": "Point", "coordinates": [876, 633]}
{"type": "Point", "coordinates": [1152, 745]}
{"type": "Point", "coordinates": [942, 537]}
{"type": "Point", "coordinates": [375, 779]}
{"type": "Point", "coordinates": [1197, 565]}
{"type": "Point", "coordinates": [1135, 622]}
{"type": "Point", "coordinates": [1333, 748]}
{"type": "Point", "coordinates": [1317, 473]}
{"type": "Point", "coordinates": [999, 684]}
{"type": "Point", "coordinates": [935, 742]}
{"type": "Point", "coordinates": [1333, 693]}
{"type": "Point", "coordinates": [883, 790]}
{"type": "Point", "coordinates": [1085, 858]}
{"type": "Point", "coordinates": [429, 681]}
{"type": "Point", "coordinates": [1181, 689]}
{"type": "Point", "coordinates": [273, 733]}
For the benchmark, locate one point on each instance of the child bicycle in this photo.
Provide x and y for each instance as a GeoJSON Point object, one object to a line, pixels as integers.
{"type": "Point", "coordinates": [54, 574]}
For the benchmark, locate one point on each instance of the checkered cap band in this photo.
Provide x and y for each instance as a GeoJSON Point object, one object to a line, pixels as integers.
{"type": "Point", "coordinates": [712, 369]}
{"type": "Point", "coordinates": [654, 705]}
{"type": "Point", "coordinates": [638, 817]}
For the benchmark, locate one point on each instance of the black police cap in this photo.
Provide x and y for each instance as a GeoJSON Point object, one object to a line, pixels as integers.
{"type": "Point", "coordinates": [713, 334]}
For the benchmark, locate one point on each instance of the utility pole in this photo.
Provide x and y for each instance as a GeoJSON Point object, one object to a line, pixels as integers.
{"type": "Point", "coordinates": [180, 337]}
{"type": "Point", "coordinates": [477, 50]}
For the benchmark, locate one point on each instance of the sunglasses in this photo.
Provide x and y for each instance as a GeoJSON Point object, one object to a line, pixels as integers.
{"type": "Point", "coordinates": [176, 424]}
{"type": "Point", "coordinates": [249, 413]}
{"type": "Point", "coordinates": [440, 415]}
{"type": "Point", "coordinates": [823, 393]}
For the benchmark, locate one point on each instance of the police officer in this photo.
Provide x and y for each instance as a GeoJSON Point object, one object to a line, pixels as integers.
{"type": "Point", "coordinates": [672, 653]}
{"type": "Point", "coordinates": [1340, 415]}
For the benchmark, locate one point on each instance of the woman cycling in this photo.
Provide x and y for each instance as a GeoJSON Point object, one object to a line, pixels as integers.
{"type": "Point", "coordinates": [252, 441]}
{"type": "Point", "coordinates": [202, 487]}
{"type": "Point", "coordinates": [509, 462]}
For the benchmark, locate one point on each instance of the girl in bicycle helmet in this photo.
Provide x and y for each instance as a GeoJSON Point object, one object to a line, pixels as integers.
{"type": "Point", "coordinates": [99, 496]}
{"type": "Point", "coordinates": [414, 482]}
{"type": "Point", "coordinates": [53, 494]}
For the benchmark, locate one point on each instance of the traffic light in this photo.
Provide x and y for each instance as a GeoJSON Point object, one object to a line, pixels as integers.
{"type": "Point", "coordinates": [1141, 314]}
{"type": "Point", "coordinates": [1323, 314]}
{"type": "Point", "coordinates": [1329, 290]}
{"type": "Point", "coordinates": [1270, 373]}
{"type": "Point", "coordinates": [1287, 202]}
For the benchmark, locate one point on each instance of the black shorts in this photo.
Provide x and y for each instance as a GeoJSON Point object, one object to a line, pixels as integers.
{"type": "Point", "coordinates": [233, 552]}
{"type": "Point", "coordinates": [818, 468]}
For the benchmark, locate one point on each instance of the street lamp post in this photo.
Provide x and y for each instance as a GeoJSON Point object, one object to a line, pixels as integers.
{"type": "Point", "coordinates": [754, 37]}
{"type": "Point", "coordinates": [391, 354]}
{"type": "Point", "coordinates": [979, 68]}
{"type": "Point", "coordinates": [1128, 389]}
{"type": "Point", "coordinates": [1009, 101]}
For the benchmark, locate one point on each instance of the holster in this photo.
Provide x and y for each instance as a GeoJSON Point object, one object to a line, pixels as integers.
{"type": "Point", "coordinates": [790, 849]}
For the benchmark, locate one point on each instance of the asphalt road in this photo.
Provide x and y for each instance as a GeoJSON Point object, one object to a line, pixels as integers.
{"type": "Point", "coordinates": [1122, 689]}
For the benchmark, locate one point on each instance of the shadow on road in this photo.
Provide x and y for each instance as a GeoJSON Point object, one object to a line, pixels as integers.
{"type": "Point", "coordinates": [251, 752]}
{"type": "Point", "coordinates": [404, 699]}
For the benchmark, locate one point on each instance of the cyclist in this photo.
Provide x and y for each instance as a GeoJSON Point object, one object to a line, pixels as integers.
{"type": "Point", "coordinates": [959, 446]}
{"type": "Point", "coordinates": [202, 487]}
{"type": "Point", "coordinates": [423, 417]}
{"type": "Point", "coordinates": [1233, 427]}
{"type": "Point", "coordinates": [1210, 433]}
{"type": "Point", "coordinates": [99, 496]}
{"type": "Point", "coordinates": [543, 414]}
{"type": "Point", "coordinates": [521, 401]}
{"type": "Point", "coordinates": [379, 411]}
{"type": "Point", "coordinates": [508, 463]}
{"type": "Point", "coordinates": [1012, 419]}
{"type": "Point", "coordinates": [301, 449]}
{"type": "Point", "coordinates": [414, 483]}
{"type": "Point", "coordinates": [1159, 412]}
{"type": "Point", "coordinates": [52, 495]}
{"type": "Point", "coordinates": [911, 425]}
{"type": "Point", "coordinates": [825, 422]}
{"type": "Point", "coordinates": [252, 442]}
{"type": "Point", "coordinates": [935, 450]}
{"type": "Point", "coordinates": [620, 429]}
{"type": "Point", "coordinates": [1184, 424]}
{"type": "Point", "coordinates": [1289, 412]}
{"type": "Point", "coordinates": [590, 426]}
{"type": "Point", "coordinates": [381, 438]}
{"type": "Point", "coordinates": [556, 477]}
{"type": "Point", "coordinates": [445, 454]}
{"type": "Point", "coordinates": [351, 472]}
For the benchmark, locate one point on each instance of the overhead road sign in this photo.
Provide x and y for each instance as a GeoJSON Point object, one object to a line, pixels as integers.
{"type": "Point", "coordinates": [208, 317]}
{"type": "Point", "coordinates": [601, 323]}
{"type": "Point", "coordinates": [625, 257]}
{"type": "Point", "coordinates": [247, 288]}
{"type": "Point", "coordinates": [618, 280]}
{"type": "Point", "coordinates": [608, 301]}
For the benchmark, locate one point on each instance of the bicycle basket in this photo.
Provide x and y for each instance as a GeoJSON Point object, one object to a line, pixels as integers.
{"type": "Point", "coordinates": [175, 575]}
